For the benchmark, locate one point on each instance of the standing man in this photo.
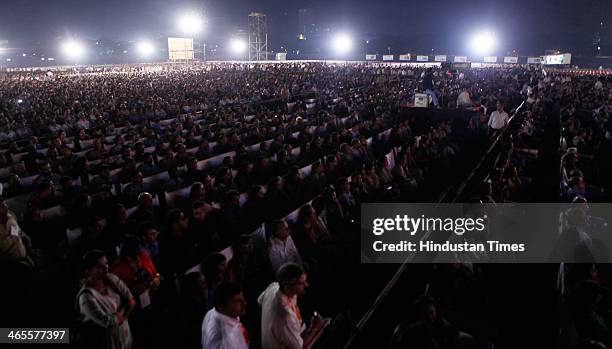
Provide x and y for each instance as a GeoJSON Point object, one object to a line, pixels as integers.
{"type": "Point", "coordinates": [499, 118]}
{"type": "Point", "coordinates": [221, 328]}
{"type": "Point", "coordinates": [428, 86]}
{"type": "Point", "coordinates": [281, 322]}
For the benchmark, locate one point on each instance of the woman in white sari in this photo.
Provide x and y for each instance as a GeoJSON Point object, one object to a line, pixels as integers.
{"type": "Point", "coordinates": [104, 303]}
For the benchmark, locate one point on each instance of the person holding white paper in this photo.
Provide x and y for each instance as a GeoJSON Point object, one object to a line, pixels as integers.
{"type": "Point", "coordinates": [282, 326]}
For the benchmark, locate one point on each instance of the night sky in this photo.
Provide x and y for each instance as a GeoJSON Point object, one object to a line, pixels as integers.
{"type": "Point", "coordinates": [526, 25]}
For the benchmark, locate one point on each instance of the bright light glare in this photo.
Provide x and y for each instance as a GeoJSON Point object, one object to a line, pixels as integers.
{"type": "Point", "coordinates": [238, 46]}
{"type": "Point", "coordinates": [145, 48]}
{"type": "Point", "coordinates": [191, 23]}
{"type": "Point", "coordinates": [342, 43]}
{"type": "Point", "coordinates": [73, 49]}
{"type": "Point", "coordinates": [483, 43]}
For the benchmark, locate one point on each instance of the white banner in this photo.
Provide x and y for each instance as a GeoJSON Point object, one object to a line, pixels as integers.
{"type": "Point", "coordinates": [567, 58]}
{"type": "Point", "coordinates": [510, 59]}
{"type": "Point", "coordinates": [534, 60]}
{"type": "Point", "coordinates": [490, 59]}
{"type": "Point", "coordinates": [440, 58]}
{"type": "Point", "coordinates": [281, 56]}
{"type": "Point", "coordinates": [405, 57]}
{"type": "Point", "coordinates": [460, 59]}
{"type": "Point", "coordinates": [422, 58]}
{"type": "Point", "coordinates": [370, 57]}
{"type": "Point", "coordinates": [553, 59]}
{"type": "Point", "coordinates": [486, 65]}
{"type": "Point", "coordinates": [387, 57]}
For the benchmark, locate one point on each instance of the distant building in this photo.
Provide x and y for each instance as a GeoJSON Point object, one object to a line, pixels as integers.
{"type": "Point", "coordinates": [307, 23]}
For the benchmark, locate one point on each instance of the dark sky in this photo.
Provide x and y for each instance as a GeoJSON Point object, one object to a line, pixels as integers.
{"type": "Point", "coordinates": [526, 25]}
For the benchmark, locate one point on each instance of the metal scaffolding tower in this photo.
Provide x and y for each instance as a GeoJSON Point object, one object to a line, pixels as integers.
{"type": "Point", "coordinates": [258, 37]}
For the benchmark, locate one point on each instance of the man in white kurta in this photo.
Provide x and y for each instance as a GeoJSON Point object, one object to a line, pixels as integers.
{"type": "Point", "coordinates": [282, 326]}
{"type": "Point", "coordinates": [221, 328]}
{"type": "Point", "coordinates": [281, 323]}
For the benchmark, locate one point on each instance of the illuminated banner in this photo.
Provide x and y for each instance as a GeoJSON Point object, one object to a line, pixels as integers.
{"type": "Point", "coordinates": [534, 60]}
{"type": "Point", "coordinates": [461, 65]}
{"type": "Point", "coordinates": [490, 59]}
{"type": "Point", "coordinates": [387, 57]}
{"type": "Point", "coordinates": [460, 59]}
{"type": "Point", "coordinates": [422, 58]}
{"type": "Point", "coordinates": [281, 56]}
{"type": "Point", "coordinates": [370, 57]}
{"type": "Point", "coordinates": [510, 59]}
{"type": "Point", "coordinates": [440, 58]}
{"type": "Point", "coordinates": [180, 49]}
{"type": "Point", "coordinates": [558, 59]}
{"type": "Point", "coordinates": [486, 65]}
{"type": "Point", "coordinates": [405, 57]}
{"type": "Point", "coordinates": [567, 58]}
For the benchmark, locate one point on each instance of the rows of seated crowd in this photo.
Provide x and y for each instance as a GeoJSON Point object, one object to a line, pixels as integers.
{"type": "Point", "coordinates": [283, 186]}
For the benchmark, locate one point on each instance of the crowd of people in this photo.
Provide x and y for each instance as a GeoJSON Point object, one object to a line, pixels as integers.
{"type": "Point", "coordinates": [213, 205]}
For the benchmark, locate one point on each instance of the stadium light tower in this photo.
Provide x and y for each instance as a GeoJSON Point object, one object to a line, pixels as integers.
{"type": "Point", "coordinates": [342, 43]}
{"type": "Point", "coordinates": [145, 49]}
{"type": "Point", "coordinates": [483, 43]}
{"type": "Point", "coordinates": [73, 50]}
{"type": "Point", "coordinates": [258, 36]}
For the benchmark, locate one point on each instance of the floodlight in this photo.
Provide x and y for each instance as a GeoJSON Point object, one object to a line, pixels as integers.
{"type": "Point", "coordinates": [238, 46]}
{"type": "Point", "coordinates": [73, 49]}
{"type": "Point", "coordinates": [145, 48]}
{"type": "Point", "coordinates": [191, 23]}
{"type": "Point", "coordinates": [342, 43]}
{"type": "Point", "coordinates": [483, 42]}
